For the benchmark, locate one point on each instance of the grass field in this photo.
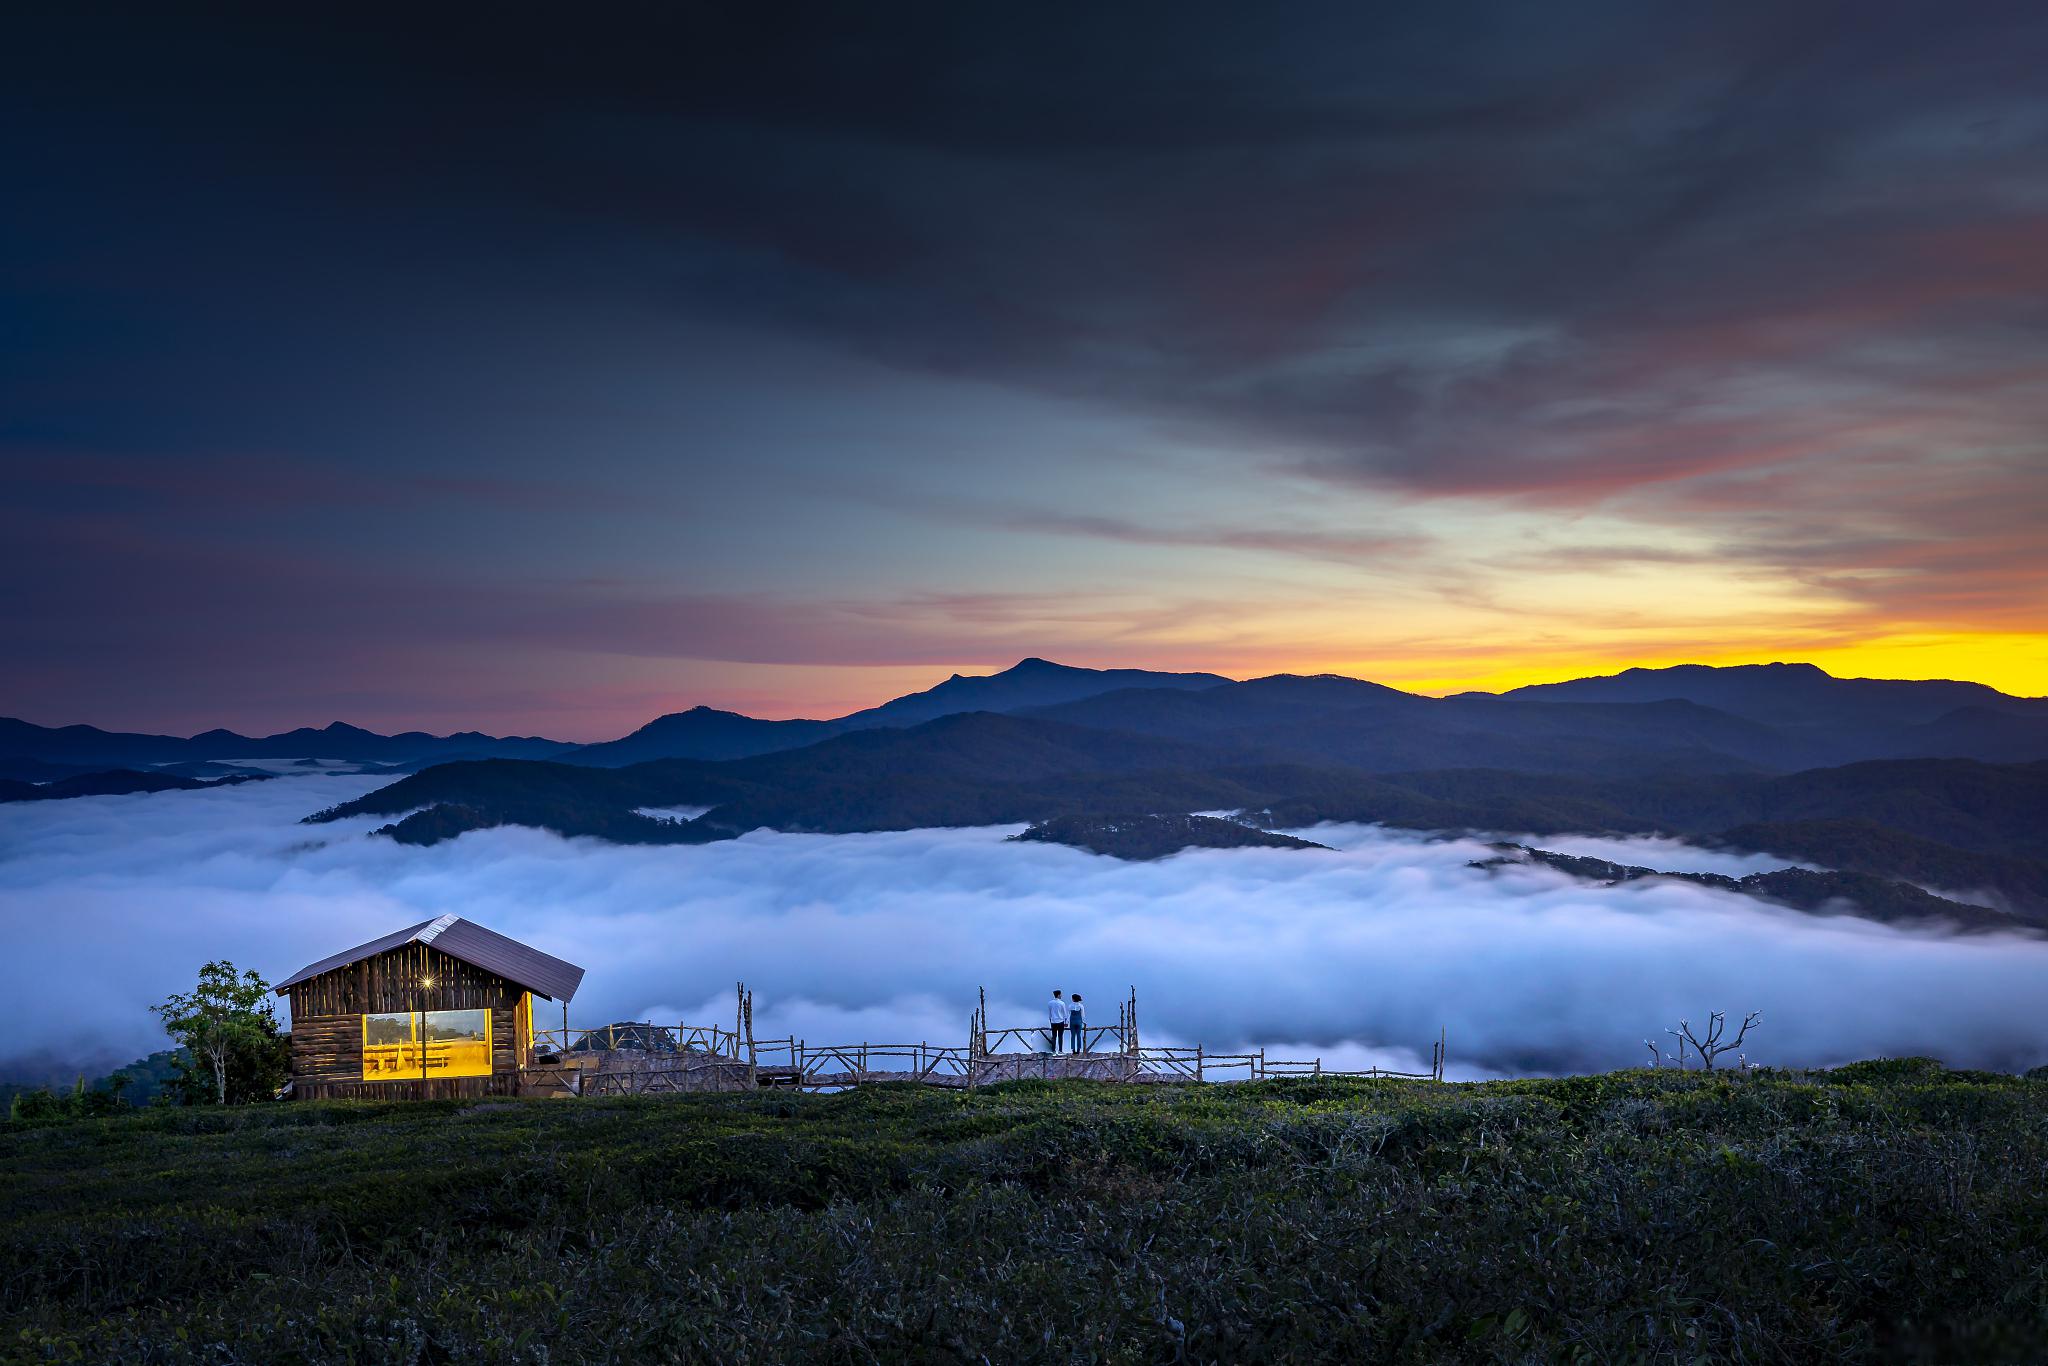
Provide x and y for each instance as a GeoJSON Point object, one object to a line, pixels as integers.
{"type": "Point", "coordinates": [1884, 1211]}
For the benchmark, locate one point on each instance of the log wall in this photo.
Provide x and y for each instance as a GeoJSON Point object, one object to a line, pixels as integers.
{"type": "Point", "coordinates": [447, 1088]}
{"type": "Point", "coordinates": [327, 1062]}
{"type": "Point", "coordinates": [327, 1024]}
{"type": "Point", "coordinates": [388, 982]}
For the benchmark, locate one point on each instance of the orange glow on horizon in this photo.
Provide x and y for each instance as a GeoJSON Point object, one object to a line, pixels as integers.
{"type": "Point", "coordinates": [2012, 663]}
{"type": "Point", "coordinates": [1436, 664]}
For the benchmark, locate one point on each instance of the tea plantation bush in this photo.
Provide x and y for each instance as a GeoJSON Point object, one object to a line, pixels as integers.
{"type": "Point", "coordinates": [1887, 1211]}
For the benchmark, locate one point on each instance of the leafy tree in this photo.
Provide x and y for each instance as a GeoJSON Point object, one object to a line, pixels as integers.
{"type": "Point", "coordinates": [234, 1050]}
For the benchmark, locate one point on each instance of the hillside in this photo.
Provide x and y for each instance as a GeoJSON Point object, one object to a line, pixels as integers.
{"type": "Point", "coordinates": [703, 733]}
{"type": "Point", "coordinates": [1802, 889]}
{"type": "Point", "coordinates": [1693, 719]}
{"type": "Point", "coordinates": [1794, 694]}
{"type": "Point", "coordinates": [1998, 809]}
{"type": "Point", "coordinates": [1978, 832]}
{"type": "Point", "coordinates": [1851, 718]}
{"type": "Point", "coordinates": [115, 783]}
{"type": "Point", "coordinates": [1152, 837]}
{"type": "Point", "coordinates": [1028, 683]}
{"type": "Point", "coordinates": [2017, 884]}
{"type": "Point", "coordinates": [568, 819]}
{"type": "Point", "coordinates": [1380, 730]}
{"type": "Point", "coordinates": [982, 768]}
{"type": "Point", "coordinates": [976, 769]}
{"type": "Point", "coordinates": [1881, 1212]}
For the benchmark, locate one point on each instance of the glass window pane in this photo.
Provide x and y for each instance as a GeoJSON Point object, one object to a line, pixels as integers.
{"type": "Point", "coordinates": [472, 1026]}
{"type": "Point", "coordinates": [394, 1028]}
{"type": "Point", "coordinates": [457, 1043]}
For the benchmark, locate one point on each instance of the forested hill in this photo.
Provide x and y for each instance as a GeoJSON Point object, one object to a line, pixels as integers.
{"type": "Point", "coordinates": [1691, 719]}
{"type": "Point", "coordinates": [115, 783]}
{"type": "Point", "coordinates": [1804, 889]}
{"type": "Point", "coordinates": [1153, 836]}
{"type": "Point", "coordinates": [702, 733]}
{"type": "Point", "coordinates": [1964, 826]}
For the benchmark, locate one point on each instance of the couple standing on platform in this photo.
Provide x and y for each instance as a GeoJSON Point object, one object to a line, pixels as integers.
{"type": "Point", "coordinates": [1064, 1016]}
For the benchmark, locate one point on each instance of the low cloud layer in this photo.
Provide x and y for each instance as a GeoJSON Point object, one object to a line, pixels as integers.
{"type": "Point", "coordinates": [1359, 954]}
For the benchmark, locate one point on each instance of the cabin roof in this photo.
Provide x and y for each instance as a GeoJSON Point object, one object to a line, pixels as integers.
{"type": "Point", "coordinates": [540, 973]}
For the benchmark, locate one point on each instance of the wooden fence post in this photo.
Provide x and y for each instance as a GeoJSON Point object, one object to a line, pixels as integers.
{"type": "Point", "coordinates": [753, 1054]}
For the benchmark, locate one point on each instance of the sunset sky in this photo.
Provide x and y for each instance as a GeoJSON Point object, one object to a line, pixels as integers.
{"type": "Point", "coordinates": [460, 368]}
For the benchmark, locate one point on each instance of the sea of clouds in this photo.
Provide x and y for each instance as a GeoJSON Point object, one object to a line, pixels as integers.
{"type": "Point", "coordinates": [1358, 955]}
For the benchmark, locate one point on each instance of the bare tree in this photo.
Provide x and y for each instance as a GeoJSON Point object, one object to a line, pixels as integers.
{"type": "Point", "coordinates": [1710, 1046]}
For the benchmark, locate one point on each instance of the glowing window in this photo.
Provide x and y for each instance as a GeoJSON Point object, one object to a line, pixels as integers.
{"type": "Point", "coordinates": [406, 1045]}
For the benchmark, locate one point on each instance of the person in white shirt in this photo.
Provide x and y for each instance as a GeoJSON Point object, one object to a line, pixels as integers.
{"type": "Point", "coordinates": [1055, 1019]}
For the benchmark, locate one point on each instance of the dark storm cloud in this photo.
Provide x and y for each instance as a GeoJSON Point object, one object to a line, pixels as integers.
{"type": "Point", "coordinates": [1486, 254]}
{"type": "Point", "coordinates": [1766, 273]}
{"type": "Point", "coordinates": [1362, 547]}
{"type": "Point", "coordinates": [1478, 249]}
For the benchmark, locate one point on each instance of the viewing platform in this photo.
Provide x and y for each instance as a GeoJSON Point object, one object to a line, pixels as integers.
{"type": "Point", "coordinates": [446, 1009]}
{"type": "Point", "coordinates": [655, 1059]}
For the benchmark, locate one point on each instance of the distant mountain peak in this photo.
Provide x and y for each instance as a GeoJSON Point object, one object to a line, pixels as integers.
{"type": "Point", "coordinates": [1858, 715]}
{"type": "Point", "coordinates": [1779, 667]}
{"type": "Point", "coordinates": [707, 733]}
{"type": "Point", "coordinates": [699, 712]}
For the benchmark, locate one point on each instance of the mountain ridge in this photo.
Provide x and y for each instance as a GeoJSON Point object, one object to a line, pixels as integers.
{"type": "Point", "coordinates": [83, 744]}
{"type": "Point", "coordinates": [706, 733]}
{"type": "Point", "coordinates": [1684, 718]}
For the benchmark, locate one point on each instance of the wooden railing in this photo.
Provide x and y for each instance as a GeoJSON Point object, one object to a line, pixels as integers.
{"type": "Point", "coordinates": [638, 1058]}
{"type": "Point", "coordinates": [1038, 1039]}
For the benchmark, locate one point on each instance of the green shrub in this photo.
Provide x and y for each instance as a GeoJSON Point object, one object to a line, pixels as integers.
{"type": "Point", "coordinates": [1889, 1070]}
{"type": "Point", "coordinates": [80, 1101]}
{"type": "Point", "coordinates": [1886, 1211]}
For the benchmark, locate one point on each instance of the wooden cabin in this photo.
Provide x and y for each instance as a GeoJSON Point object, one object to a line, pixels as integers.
{"type": "Point", "coordinates": [441, 1009]}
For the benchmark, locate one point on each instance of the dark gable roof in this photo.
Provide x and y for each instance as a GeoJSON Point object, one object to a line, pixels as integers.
{"type": "Point", "coordinates": [540, 973]}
